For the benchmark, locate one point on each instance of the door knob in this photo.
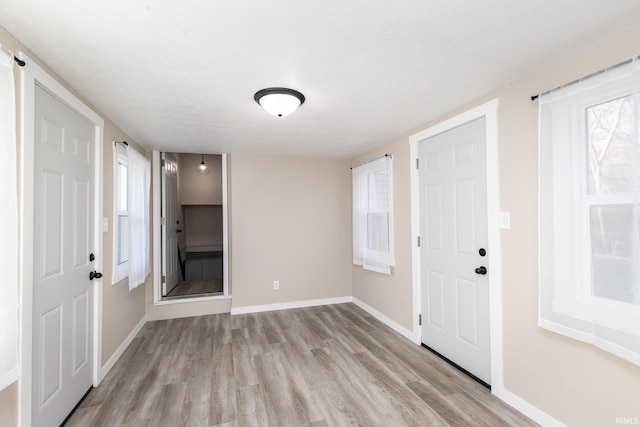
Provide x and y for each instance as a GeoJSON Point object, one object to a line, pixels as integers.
{"type": "Point", "coordinates": [481, 270]}
{"type": "Point", "coordinates": [482, 251]}
{"type": "Point", "coordinates": [94, 275]}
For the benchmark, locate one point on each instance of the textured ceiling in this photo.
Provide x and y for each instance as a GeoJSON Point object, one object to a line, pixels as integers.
{"type": "Point", "coordinates": [180, 75]}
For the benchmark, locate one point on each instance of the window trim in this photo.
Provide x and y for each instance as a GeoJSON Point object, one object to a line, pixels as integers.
{"type": "Point", "coordinates": [579, 301]}
{"type": "Point", "coordinates": [120, 271]}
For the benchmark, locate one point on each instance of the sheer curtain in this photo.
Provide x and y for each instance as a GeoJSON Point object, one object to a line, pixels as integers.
{"type": "Point", "coordinates": [589, 233]}
{"type": "Point", "coordinates": [8, 224]}
{"type": "Point", "coordinates": [372, 215]}
{"type": "Point", "coordinates": [139, 176]}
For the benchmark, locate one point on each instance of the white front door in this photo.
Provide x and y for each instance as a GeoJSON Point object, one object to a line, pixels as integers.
{"type": "Point", "coordinates": [171, 265]}
{"type": "Point", "coordinates": [453, 230]}
{"type": "Point", "coordinates": [63, 242]}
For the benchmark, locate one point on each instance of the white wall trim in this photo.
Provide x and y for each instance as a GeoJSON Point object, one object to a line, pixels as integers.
{"type": "Point", "coordinates": [225, 230]}
{"type": "Point", "coordinates": [489, 111]}
{"type": "Point", "coordinates": [387, 321]}
{"type": "Point", "coordinates": [288, 305]}
{"type": "Point", "coordinates": [9, 378]}
{"type": "Point", "coordinates": [155, 221]}
{"type": "Point", "coordinates": [526, 408]}
{"type": "Point", "coordinates": [121, 349]}
{"type": "Point", "coordinates": [31, 74]}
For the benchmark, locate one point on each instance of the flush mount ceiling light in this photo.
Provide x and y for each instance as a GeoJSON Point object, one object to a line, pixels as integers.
{"type": "Point", "coordinates": [203, 169]}
{"type": "Point", "coordinates": [279, 101]}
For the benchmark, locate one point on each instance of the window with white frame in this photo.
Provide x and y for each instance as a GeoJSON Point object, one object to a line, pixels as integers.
{"type": "Point", "coordinates": [589, 234]}
{"type": "Point", "coordinates": [121, 214]}
{"type": "Point", "coordinates": [372, 215]}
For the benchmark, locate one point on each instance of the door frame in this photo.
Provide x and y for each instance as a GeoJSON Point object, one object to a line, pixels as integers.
{"type": "Point", "coordinates": [157, 236]}
{"type": "Point", "coordinates": [32, 74]}
{"type": "Point", "coordinates": [489, 111]}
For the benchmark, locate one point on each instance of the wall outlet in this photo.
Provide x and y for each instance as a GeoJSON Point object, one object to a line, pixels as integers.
{"type": "Point", "coordinates": [276, 284]}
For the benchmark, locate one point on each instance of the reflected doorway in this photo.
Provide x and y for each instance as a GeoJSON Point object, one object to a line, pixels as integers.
{"type": "Point", "coordinates": [192, 225]}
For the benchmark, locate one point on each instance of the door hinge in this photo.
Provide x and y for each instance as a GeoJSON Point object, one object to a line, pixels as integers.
{"type": "Point", "coordinates": [417, 163]}
{"type": "Point", "coordinates": [162, 221]}
{"type": "Point", "coordinates": [420, 319]}
{"type": "Point", "coordinates": [164, 279]}
{"type": "Point", "coordinates": [418, 241]}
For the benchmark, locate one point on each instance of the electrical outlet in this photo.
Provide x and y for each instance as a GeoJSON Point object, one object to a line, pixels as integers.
{"type": "Point", "coordinates": [276, 284]}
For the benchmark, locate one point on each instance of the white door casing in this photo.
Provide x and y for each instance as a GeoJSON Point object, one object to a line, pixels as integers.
{"type": "Point", "coordinates": [63, 242]}
{"type": "Point", "coordinates": [453, 229]}
{"type": "Point", "coordinates": [40, 264]}
{"type": "Point", "coordinates": [170, 265]}
{"type": "Point", "coordinates": [489, 111]}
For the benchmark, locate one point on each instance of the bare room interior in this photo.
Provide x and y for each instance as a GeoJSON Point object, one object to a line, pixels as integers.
{"type": "Point", "coordinates": [290, 213]}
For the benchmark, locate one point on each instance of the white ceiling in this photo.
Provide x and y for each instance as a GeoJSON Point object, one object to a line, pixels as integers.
{"type": "Point", "coordinates": [180, 75]}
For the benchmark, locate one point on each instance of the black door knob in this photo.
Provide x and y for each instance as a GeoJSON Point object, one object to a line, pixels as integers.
{"type": "Point", "coordinates": [481, 270]}
{"type": "Point", "coordinates": [94, 275]}
{"type": "Point", "coordinates": [482, 251]}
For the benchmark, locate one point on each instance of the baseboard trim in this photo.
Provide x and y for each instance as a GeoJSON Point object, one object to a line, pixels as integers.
{"type": "Point", "coordinates": [288, 305]}
{"type": "Point", "coordinates": [531, 411]}
{"type": "Point", "coordinates": [121, 349]}
{"type": "Point", "coordinates": [387, 321]}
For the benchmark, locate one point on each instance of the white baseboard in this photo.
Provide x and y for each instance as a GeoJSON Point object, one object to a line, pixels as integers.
{"type": "Point", "coordinates": [9, 378]}
{"type": "Point", "coordinates": [387, 321]}
{"type": "Point", "coordinates": [120, 350]}
{"type": "Point", "coordinates": [531, 411]}
{"type": "Point", "coordinates": [288, 305]}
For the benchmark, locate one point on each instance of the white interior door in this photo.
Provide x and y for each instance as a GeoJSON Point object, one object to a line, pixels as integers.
{"type": "Point", "coordinates": [171, 267]}
{"type": "Point", "coordinates": [453, 230]}
{"type": "Point", "coordinates": [63, 242]}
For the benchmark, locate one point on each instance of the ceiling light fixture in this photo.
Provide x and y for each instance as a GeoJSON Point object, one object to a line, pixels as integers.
{"type": "Point", "coordinates": [279, 101]}
{"type": "Point", "coordinates": [203, 169]}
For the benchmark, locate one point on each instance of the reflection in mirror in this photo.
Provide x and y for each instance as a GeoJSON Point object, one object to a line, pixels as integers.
{"type": "Point", "coordinates": [192, 233]}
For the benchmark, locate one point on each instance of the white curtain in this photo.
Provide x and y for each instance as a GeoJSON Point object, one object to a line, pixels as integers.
{"type": "Point", "coordinates": [8, 224]}
{"type": "Point", "coordinates": [139, 170]}
{"type": "Point", "coordinates": [589, 233]}
{"type": "Point", "coordinates": [372, 215]}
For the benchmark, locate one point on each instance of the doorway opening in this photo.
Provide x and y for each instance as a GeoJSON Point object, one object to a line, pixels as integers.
{"type": "Point", "coordinates": [193, 225]}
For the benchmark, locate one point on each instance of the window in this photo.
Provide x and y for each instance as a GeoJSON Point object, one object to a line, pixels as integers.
{"type": "Point", "coordinates": [372, 215]}
{"type": "Point", "coordinates": [121, 214]}
{"type": "Point", "coordinates": [590, 210]}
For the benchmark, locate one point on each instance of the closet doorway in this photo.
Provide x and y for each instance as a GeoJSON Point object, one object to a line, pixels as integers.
{"type": "Point", "coordinates": [192, 225]}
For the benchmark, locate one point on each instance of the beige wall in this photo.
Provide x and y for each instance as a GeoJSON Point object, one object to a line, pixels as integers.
{"type": "Point", "coordinates": [291, 221]}
{"type": "Point", "coordinates": [391, 294]}
{"type": "Point", "coordinates": [121, 310]}
{"type": "Point", "coordinates": [9, 405]}
{"type": "Point", "coordinates": [573, 382]}
{"type": "Point", "coordinates": [196, 188]}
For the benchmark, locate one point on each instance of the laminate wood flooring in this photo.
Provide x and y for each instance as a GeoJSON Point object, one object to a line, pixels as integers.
{"type": "Point", "coordinates": [320, 366]}
{"type": "Point", "coordinates": [196, 287]}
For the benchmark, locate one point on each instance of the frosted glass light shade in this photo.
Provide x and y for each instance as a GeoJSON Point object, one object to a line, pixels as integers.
{"type": "Point", "coordinates": [278, 101]}
{"type": "Point", "coordinates": [202, 168]}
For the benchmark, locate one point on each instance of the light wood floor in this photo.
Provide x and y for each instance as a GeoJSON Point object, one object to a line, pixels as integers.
{"type": "Point", "coordinates": [196, 287]}
{"type": "Point", "coordinates": [320, 366]}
